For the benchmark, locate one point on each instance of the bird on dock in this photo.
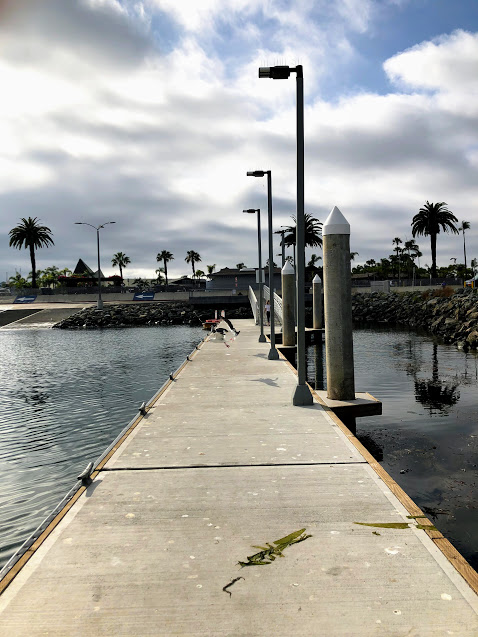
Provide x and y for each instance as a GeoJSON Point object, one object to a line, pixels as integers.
{"type": "Point", "coordinates": [231, 327]}
{"type": "Point", "coordinates": [222, 331]}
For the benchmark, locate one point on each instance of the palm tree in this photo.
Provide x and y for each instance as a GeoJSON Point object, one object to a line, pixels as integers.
{"type": "Point", "coordinates": [17, 281]}
{"type": "Point", "coordinates": [159, 275]}
{"type": "Point", "coordinates": [465, 225]}
{"type": "Point", "coordinates": [430, 219]}
{"type": "Point", "coordinates": [31, 235]}
{"type": "Point", "coordinates": [353, 255]}
{"type": "Point", "coordinates": [200, 274]}
{"type": "Point", "coordinates": [240, 266]}
{"type": "Point", "coordinates": [312, 232]}
{"type": "Point", "coordinates": [121, 260]}
{"type": "Point", "coordinates": [192, 258]}
{"type": "Point", "coordinates": [210, 269]}
{"type": "Point", "coordinates": [165, 256]}
{"type": "Point", "coordinates": [50, 275]}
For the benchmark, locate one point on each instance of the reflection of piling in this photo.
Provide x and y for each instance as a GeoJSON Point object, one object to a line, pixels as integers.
{"type": "Point", "coordinates": [338, 307]}
{"type": "Point", "coordinates": [317, 302]}
{"type": "Point", "coordinates": [319, 366]}
{"type": "Point", "coordinates": [288, 304]}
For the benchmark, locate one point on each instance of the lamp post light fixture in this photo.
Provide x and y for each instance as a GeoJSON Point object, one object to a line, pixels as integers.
{"type": "Point", "coordinates": [262, 338]}
{"type": "Point", "coordinates": [302, 394]}
{"type": "Point", "coordinates": [99, 303]}
{"type": "Point", "coordinates": [273, 353]}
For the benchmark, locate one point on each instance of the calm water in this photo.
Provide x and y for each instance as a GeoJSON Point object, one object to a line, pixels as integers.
{"type": "Point", "coordinates": [65, 396]}
{"type": "Point", "coordinates": [427, 437]}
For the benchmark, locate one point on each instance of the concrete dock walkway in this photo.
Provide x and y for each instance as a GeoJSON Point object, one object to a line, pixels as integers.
{"type": "Point", "coordinates": [220, 463]}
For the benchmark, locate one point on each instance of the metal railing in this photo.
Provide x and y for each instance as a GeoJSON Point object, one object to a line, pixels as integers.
{"type": "Point", "coordinates": [277, 304]}
{"type": "Point", "coordinates": [254, 305]}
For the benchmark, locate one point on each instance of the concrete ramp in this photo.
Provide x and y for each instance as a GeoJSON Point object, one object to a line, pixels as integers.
{"type": "Point", "coordinates": [36, 318]}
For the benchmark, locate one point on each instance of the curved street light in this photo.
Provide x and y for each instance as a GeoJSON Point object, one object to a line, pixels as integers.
{"type": "Point", "coordinates": [99, 304]}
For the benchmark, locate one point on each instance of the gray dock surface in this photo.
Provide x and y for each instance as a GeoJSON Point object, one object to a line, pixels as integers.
{"type": "Point", "coordinates": [220, 463]}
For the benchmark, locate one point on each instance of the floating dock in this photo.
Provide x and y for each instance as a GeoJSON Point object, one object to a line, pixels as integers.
{"type": "Point", "coordinates": [220, 463]}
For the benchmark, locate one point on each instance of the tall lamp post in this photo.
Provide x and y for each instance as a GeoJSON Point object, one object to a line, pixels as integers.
{"type": "Point", "coordinates": [262, 338]}
{"type": "Point", "coordinates": [302, 395]}
{"type": "Point", "coordinates": [99, 303]}
{"type": "Point", "coordinates": [273, 353]}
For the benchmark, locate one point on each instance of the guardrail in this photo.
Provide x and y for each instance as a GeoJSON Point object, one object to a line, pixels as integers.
{"type": "Point", "coordinates": [277, 304]}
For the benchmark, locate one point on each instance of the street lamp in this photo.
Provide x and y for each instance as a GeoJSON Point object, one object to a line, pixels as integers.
{"type": "Point", "coordinates": [273, 353]}
{"type": "Point", "coordinates": [302, 395]}
{"type": "Point", "coordinates": [262, 338]}
{"type": "Point", "coordinates": [99, 304]}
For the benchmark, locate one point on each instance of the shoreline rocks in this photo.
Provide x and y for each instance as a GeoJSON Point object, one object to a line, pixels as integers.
{"type": "Point", "coordinates": [451, 317]}
{"type": "Point", "coordinates": [147, 315]}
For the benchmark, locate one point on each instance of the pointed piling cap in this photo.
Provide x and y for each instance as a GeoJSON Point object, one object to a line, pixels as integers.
{"type": "Point", "coordinates": [287, 269]}
{"type": "Point", "coordinates": [317, 280]}
{"type": "Point", "coordinates": [336, 223]}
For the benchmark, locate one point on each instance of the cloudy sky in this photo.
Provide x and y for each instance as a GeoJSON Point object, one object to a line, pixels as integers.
{"type": "Point", "coordinates": [150, 112]}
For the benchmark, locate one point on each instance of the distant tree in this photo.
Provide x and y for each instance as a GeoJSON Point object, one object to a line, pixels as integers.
{"type": "Point", "coordinates": [240, 266]}
{"type": "Point", "coordinates": [29, 234]}
{"type": "Point", "coordinates": [465, 225]}
{"type": "Point", "coordinates": [430, 220]}
{"type": "Point", "coordinates": [353, 255]}
{"type": "Point", "coordinates": [200, 274]}
{"type": "Point", "coordinates": [17, 281]}
{"type": "Point", "coordinates": [193, 258]}
{"type": "Point", "coordinates": [210, 269]}
{"type": "Point", "coordinates": [165, 256]}
{"type": "Point", "coordinates": [50, 276]}
{"type": "Point", "coordinates": [312, 232]}
{"type": "Point", "coordinates": [121, 261]}
{"type": "Point", "coordinates": [159, 275]}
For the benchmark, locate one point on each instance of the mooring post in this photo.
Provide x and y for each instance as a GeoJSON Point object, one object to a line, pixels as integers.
{"type": "Point", "coordinates": [288, 304]}
{"type": "Point", "coordinates": [338, 307]}
{"type": "Point", "coordinates": [317, 302]}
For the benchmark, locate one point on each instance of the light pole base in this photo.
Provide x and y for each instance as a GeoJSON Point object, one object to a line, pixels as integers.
{"type": "Point", "coordinates": [262, 339]}
{"type": "Point", "coordinates": [273, 355]}
{"type": "Point", "coordinates": [302, 396]}
{"type": "Point", "coordinates": [99, 304]}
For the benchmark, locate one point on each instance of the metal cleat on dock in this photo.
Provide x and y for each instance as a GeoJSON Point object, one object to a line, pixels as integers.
{"type": "Point", "coordinates": [85, 477]}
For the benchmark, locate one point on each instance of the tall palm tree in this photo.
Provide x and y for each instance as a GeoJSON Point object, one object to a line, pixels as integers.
{"type": "Point", "coordinates": [396, 242]}
{"type": "Point", "coordinates": [312, 232]}
{"type": "Point", "coordinates": [432, 218]}
{"type": "Point", "coordinates": [192, 258]}
{"type": "Point", "coordinates": [165, 256]}
{"type": "Point", "coordinates": [465, 225]}
{"type": "Point", "coordinates": [32, 236]}
{"type": "Point", "coordinates": [121, 260]}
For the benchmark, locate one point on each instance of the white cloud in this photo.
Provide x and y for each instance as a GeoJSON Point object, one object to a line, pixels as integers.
{"type": "Point", "coordinates": [104, 124]}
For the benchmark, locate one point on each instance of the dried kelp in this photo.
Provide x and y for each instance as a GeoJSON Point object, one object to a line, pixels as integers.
{"type": "Point", "coordinates": [268, 553]}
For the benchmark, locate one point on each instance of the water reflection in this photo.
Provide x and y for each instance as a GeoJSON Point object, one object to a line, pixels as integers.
{"type": "Point", "coordinates": [434, 393]}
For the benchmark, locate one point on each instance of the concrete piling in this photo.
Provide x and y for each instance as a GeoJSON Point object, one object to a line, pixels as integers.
{"type": "Point", "coordinates": [317, 302]}
{"type": "Point", "coordinates": [338, 307]}
{"type": "Point", "coordinates": [288, 304]}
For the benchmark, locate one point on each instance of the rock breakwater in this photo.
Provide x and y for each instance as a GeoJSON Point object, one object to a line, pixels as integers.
{"type": "Point", "coordinates": [451, 317]}
{"type": "Point", "coordinates": [151, 314]}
